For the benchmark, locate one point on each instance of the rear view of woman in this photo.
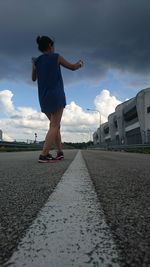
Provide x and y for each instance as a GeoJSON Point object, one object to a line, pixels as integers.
{"type": "Point", "coordinates": [46, 70]}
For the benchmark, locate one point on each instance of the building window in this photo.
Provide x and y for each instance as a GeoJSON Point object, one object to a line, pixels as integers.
{"type": "Point", "coordinates": [116, 124]}
{"type": "Point", "coordinates": [106, 130]}
{"type": "Point", "coordinates": [148, 109]}
{"type": "Point", "coordinates": [131, 114]}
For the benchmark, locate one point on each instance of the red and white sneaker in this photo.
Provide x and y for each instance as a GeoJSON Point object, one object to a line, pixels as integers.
{"type": "Point", "coordinates": [46, 159]}
{"type": "Point", "coordinates": [60, 156]}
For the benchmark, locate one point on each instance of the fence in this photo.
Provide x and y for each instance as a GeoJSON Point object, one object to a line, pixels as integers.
{"type": "Point", "coordinates": [28, 144]}
{"type": "Point", "coordinates": [132, 147]}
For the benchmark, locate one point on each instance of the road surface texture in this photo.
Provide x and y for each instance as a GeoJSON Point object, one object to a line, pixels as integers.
{"type": "Point", "coordinates": [25, 186]}
{"type": "Point", "coordinates": [122, 182]}
{"type": "Point", "coordinates": [70, 230]}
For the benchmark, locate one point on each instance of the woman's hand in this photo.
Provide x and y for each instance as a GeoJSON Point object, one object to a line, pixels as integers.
{"type": "Point", "coordinates": [81, 63]}
{"type": "Point", "coordinates": [63, 62]}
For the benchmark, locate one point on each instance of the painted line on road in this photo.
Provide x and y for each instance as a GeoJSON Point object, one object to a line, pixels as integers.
{"type": "Point", "coordinates": [70, 230]}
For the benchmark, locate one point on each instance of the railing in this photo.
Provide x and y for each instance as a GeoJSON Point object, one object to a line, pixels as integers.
{"type": "Point", "coordinates": [21, 144]}
{"type": "Point", "coordinates": [122, 147]}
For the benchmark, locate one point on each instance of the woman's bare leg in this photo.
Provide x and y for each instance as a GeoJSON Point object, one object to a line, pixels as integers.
{"type": "Point", "coordinates": [53, 134]}
{"type": "Point", "coordinates": [58, 142]}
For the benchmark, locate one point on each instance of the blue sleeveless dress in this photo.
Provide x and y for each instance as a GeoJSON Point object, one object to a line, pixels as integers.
{"type": "Point", "coordinates": [50, 83]}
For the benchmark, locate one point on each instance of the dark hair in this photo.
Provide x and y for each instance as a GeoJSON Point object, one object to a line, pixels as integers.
{"type": "Point", "coordinates": [44, 42]}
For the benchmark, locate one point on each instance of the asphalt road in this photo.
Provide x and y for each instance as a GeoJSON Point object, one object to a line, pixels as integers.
{"type": "Point", "coordinates": [25, 186]}
{"type": "Point", "coordinates": [122, 182]}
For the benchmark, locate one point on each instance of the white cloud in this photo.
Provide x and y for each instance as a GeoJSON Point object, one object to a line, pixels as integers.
{"type": "Point", "coordinates": [75, 115]}
{"type": "Point", "coordinates": [7, 138]}
{"type": "Point", "coordinates": [77, 124]}
{"type": "Point", "coordinates": [6, 104]}
{"type": "Point", "coordinates": [106, 104]}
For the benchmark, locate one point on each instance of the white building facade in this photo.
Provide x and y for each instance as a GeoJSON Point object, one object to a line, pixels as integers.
{"type": "Point", "coordinates": [129, 124]}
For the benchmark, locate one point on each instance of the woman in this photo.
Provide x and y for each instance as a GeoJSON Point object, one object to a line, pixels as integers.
{"type": "Point", "coordinates": [46, 70]}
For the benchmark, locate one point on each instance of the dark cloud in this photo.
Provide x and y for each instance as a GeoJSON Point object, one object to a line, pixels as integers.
{"type": "Point", "coordinates": [105, 33]}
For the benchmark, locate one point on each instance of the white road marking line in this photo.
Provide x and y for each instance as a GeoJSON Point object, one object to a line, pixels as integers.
{"type": "Point", "coordinates": [70, 230]}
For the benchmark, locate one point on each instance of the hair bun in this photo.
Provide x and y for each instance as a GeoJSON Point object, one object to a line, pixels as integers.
{"type": "Point", "coordinates": [38, 39]}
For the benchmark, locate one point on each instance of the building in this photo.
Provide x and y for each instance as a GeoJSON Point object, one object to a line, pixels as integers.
{"type": "Point", "coordinates": [1, 135]}
{"type": "Point", "coordinates": [129, 124]}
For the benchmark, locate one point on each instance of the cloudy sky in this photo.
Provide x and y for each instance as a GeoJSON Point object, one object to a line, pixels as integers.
{"type": "Point", "coordinates": [112, 37]}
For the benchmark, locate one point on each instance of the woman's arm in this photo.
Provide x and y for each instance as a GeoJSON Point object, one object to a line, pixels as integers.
{"type": "Point", "coordinates": [34, 76]}
{"type": "Point", "coordinates": [63, 62]}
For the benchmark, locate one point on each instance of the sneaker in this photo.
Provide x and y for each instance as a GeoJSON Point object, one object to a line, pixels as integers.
{"type": "Point", "coordinates": [50, 157]}
{"type": "Point", "coordinates": [60, 156]}
{"type": "Point", "coordinates": [45, 159]}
